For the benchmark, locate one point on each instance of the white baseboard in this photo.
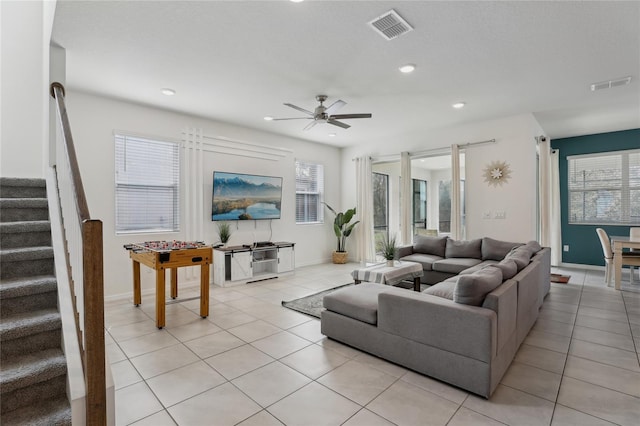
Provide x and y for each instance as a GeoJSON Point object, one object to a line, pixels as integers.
{"type": "Point", "coordinates": [580, 266]}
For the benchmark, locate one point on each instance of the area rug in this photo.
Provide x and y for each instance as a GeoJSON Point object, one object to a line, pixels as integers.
{"type": "Point", "coordinates": [312, 304]}
{"type": "Point", "coordinates": [562, 279]}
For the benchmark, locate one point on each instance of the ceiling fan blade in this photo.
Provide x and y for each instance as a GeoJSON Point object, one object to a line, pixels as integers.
{"type": "Point", "coordinates": [310, 125]}
{"type": "Point", "coordinates": [334, 107]}
{"type": "Point", "coordinates": [293, 118]}
{"type": "Point", "coordinates": [338, 123]}
{"type": "Point", "coordinates": [299, 109]}
{"type": "Point", "coordinates": [343, 116]}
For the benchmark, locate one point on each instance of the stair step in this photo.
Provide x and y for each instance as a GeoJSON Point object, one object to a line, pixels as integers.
{"type": "Point", "coordinates": [23, 209]}
{"type": "Point", "coordinates": [19, 295]}
{"type": "Point", "coordinates": [50, 412]}
{"type": "Point", "coordinates": [26, 262]}
{"type": "Point", "coordinates": [29, 323]}
{"type": "Point", "coordinates": [22, 188]}
{"type": "Point", "coordinates": [27, 370]}
{"type": "Point", "coordinates": [25, 234]}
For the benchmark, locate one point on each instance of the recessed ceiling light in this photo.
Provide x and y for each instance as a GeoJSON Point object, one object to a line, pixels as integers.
{"type": "Point", "coordinates": [296, 1]}
{"type": "Point", "coordinates": [268, 118]}
{"type": "Point", "coordinates": [458, 105]}
{"type": "Point", "coordinates": [406, 69]}
{"type": "Point", "coordinates": [332, 135]}
{"type": "Point", "coordinates": [168, 92]}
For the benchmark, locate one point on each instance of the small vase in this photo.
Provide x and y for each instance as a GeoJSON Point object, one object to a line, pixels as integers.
{"type": "Point", "coordinates": [390, 262]}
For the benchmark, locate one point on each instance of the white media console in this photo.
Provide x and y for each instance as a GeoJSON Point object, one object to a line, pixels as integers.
{"type": "Point", "coordinates": [245, 264]}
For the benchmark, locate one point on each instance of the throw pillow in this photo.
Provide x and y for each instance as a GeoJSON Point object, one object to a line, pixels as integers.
{"type": "Point", "coordinates": [459, 248]}
{"type": "Point", "coordinates": [471, 289]}
{"type": "Point", "coordinates": [496, 250]}
{"type": "Point", "coordinates": [429, 245]}
{"type": "Point", "coordinates": [508, 267]}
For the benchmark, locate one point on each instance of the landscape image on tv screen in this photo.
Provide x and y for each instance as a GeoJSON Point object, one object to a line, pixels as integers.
{"type": "Point", "coordinates": [239, 196]}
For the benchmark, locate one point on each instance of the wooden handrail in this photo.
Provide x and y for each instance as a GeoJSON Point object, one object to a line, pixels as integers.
{"type": "Point", "coordinates": [93, 349]}
{"type": "Point", "coordinates": [57, 91]}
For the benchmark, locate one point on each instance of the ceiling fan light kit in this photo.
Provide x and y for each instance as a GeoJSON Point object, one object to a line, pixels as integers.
{"type": "Point", "coordinates": [322, 114]}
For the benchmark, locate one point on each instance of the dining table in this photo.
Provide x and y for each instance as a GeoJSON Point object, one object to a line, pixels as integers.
{"type": "Point", "coordinates": [620, 243]}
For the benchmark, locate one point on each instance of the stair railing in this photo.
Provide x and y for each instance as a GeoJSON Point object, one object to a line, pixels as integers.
{"type": "Point", "coordinates": [84, 258]}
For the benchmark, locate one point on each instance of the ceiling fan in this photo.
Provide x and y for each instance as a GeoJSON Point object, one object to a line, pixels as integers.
{"type": "Point", "coordinates": [323, 114]}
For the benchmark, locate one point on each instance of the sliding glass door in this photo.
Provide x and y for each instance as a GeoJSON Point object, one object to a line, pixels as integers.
{"type": "Point", "coordinates": [380, 206]}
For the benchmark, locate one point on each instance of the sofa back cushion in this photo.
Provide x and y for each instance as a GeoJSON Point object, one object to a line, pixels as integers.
{"type": "Point", "coordinates": [460, 248]}
{"type": "Point", "coordinates": [471, 289]}
{"type": "Point", "coordinates": [520, 255]}
{"type": "Point", "coordinates": [533, 247]}
{"type": "Point", "coordinates": [508, 267]}
{"type": "Point", "coordinates": [495, 249]}
{"type": "Point", "coordinates": [429, 245]}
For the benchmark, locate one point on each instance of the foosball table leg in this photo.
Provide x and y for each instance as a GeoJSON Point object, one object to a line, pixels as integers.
{"type": "Point", "coordinates": [137, 296]}
{"type": "Point", "coordinates": [174, 283]}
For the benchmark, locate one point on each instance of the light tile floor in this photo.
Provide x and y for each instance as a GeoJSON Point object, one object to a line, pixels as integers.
{"type": "Point", "coordinates": [253, 362]}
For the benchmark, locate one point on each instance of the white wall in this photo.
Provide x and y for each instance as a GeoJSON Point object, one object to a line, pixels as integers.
{"type": "Point", "coordinates": [25, 31]}
{"type": "Point", "coordinates": [94, 120]}
{"type": "Point", "coordinates": [515, 144]}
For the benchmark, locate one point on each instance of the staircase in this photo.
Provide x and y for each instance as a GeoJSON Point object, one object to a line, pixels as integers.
{"type": "Point", "coordinates": [33, 370]}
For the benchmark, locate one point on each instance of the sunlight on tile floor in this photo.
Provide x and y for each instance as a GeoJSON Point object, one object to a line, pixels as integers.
{"type": "Point", "coordinates": [253, 362]}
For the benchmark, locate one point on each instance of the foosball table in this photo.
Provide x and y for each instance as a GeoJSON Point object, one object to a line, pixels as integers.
{"type": "Point", "coordinates": [163, 255]}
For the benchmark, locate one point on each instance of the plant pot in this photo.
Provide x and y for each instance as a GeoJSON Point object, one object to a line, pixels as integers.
{"type": "Point", "coordinates": [390, 262]}
{"type": "Point", "coordinates": [339, 257]}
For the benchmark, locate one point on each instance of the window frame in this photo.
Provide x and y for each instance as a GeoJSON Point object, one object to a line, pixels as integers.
{"type": "Point", "coordinates": [625, 187]}
{"type": "Point", "coordinates": [319, 192]}
{"type": "Point", "coordinates": [173, 190]}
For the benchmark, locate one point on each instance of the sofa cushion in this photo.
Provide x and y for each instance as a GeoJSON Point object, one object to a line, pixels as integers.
{"type": "Point", "coordinates": [508, 267]}
{"type": "Point", "coordinates": [461, 248]}
{"type": "Point", "coordinates": [426, 260]}
{"type": "Point", "coordinates": [495, 249]}
{"type": "Point", "coordinates": [479, 266]}
{"type": "Point", "coordinates": [454, 265]}
{"type": "Point", "coordinates": [443, 289]}
{"type": "Point", "coordinates": [359, 301]}
{"type": "Point", "coordinates": [471, 289]}
{"type": "Point", "coordinates": [521, 256]}
{"type": "Point", "coordinates": [429, 245]}
{"type": "Point", "coordinates": [533, 247]}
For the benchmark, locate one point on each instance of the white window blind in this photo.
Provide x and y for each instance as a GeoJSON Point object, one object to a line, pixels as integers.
{"type": "Point", "coordinates": [147, 185]}
{"type": "Point", "coordinates": [309, 192]}
{"type": "Point", "coordinates": [604, 188]}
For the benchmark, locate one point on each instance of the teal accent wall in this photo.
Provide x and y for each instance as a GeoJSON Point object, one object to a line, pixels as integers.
{"type": "Point", "coordinates": [584, 245]}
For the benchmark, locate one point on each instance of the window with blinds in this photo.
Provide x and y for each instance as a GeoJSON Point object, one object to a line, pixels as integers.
{"type": "Point", "coordinates": [147, 185]}
{"type": "Point", "coordinates": [604, 188]}
{"type": "Point", "coordinates": [309, 192]}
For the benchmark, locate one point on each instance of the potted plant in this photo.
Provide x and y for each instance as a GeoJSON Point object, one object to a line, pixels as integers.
{"type": "Point", "coordinates": [224, 232]}
{"type": "Point", "coordinates": [388, 249]}
{"type": "Point", "coordinates": [342, 229]}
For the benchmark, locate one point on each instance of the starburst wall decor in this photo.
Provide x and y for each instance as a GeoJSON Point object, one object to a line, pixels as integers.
{"type": "Point", "coordinates": [497, 173]}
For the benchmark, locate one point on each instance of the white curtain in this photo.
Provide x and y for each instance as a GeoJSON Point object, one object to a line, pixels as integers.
{"type": "Point", "coordinates": [556, 236]}
{"type": "Point", "coordinates": [549, 199]}
{"type": "Point", "coordinates": [364, 209]}
{"type": "Point", "coordinates": [456, 219]}
{"type": "Point", "coordinates": [407, 192]}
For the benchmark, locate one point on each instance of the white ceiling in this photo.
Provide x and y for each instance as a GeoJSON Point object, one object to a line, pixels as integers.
{"type": "Point", "coordinates": [237, 61]}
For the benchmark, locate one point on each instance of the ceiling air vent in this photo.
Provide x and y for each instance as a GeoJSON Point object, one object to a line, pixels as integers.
{"type": "Point", "coordinates": [611, 83]}
{"type": "Point", "coordinates": [390, 25]}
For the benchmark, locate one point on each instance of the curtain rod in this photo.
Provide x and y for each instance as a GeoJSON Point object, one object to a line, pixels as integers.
{"type": "Point", "coordinates": [396, 157]}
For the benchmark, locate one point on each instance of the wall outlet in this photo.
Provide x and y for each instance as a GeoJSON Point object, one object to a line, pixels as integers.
{"type": "Point", "coordinates": [565, 247]}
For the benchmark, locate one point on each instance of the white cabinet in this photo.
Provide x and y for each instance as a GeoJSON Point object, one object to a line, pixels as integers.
{"type": "Point", "coordinates": [245, 264]}
{"type": "Point", "coordinates": [286, 259]}
{"type": "Point", "coordinates": [241, 266]}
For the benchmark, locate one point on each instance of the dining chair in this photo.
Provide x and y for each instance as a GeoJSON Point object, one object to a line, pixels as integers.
{"type": "Point", "coordinates": [627, 259]}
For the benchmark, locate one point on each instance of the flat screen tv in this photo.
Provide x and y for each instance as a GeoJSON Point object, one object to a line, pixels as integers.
{"type": "Point", "coordinates": [239, 196]}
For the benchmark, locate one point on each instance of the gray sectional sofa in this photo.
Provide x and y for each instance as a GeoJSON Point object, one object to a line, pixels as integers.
{"type": "Point", "coordinates": [463, 330]}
